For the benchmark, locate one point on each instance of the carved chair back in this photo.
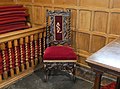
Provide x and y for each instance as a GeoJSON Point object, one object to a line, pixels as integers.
{"type": "Point", "coordinates": [58, 29]}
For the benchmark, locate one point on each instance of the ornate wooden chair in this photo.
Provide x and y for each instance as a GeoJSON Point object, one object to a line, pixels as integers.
{"type": "Point", "coordinates": [59, 54]}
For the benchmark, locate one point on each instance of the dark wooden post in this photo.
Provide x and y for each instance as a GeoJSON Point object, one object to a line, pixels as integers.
{"type": "Point", "coordinates": [97, 82]}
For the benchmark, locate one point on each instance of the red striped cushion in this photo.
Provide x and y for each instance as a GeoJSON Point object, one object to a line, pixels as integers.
{"type": "Point", "coordinates": [14, 15]}
{"type": "Point", "coordinates": [13, 20]}
{"type": "Point", "coordinates": [11, 6]}
{"type": "Point", "coordinates": [12, 12]}
{"type": "Point", "coordinates": [13, 9]}
{"type": "Point", "coordinates": [14, 23]}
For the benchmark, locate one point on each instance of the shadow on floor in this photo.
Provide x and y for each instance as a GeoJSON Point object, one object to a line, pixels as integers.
{"type": "Point", "coordinates": [35, 81]}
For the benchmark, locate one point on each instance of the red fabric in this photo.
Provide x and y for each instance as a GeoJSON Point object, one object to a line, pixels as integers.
{"type": "Point", "coordinates": [4, 27]}
{"type": "Point", "coordinates": [110, 86]}
{"type": "Point", "coordinates": [18, 56]}
{"type": "Point", "coordinates": [23, 50]}
{"type": "Point", "coordinates": [8, 68]}
{"type": "Point", "coordinates": [7, 57]}
{"type": "Point", "coordinates": [1, 71]}
{"type": "Point", "coordinates": [13, 20]}
{"type": "Point", "coordinates": [13, 58]}
{"type": "Point", "coordinates": [1, 66]}
{"type": "Point", "coordinates": [33, 49]}
{"type": "Point", "coordinates": [1, 57]}
{"type": "Point", "coordinates": [12, 24]}
{"type": "Point", "coordinates": [15, 15]}
{"type": "Point", "coordinates": [13, 9]}
{"type": "Point", "coordinates": [59, 53]}
{"type": "Point", "coordinates": [11, 6]}
{"type": "Point", "coordinates": [37, 47]}
{"type": "Point", "coordinates": [28, 49]}
{"type": "Point", "coordinates": [12, 12]}
{"type": "Point", "coordinates": [1, 63]}
{"type": "Point", "coordinates": [58, 27]}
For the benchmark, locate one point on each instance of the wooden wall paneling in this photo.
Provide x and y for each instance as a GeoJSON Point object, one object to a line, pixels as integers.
{"type": "Point", "coordinates": [84, 20]}
{"type": "Point", "coordinates": [116, 3]}
{"type": "Point", "coordinates": [15, 1]}
{"type": "Point", "coordinates": [29, 11]}
{"type": "Point", "coordinates": [94, 22]}
{"type": "Point", "coordinates": [70, 2]}
{"type": "Point", "coordinates": [78, 2]}
{"type": "Point", "coordinates": [59, 2]}
{"type": "Point", "coordinates": [108, 25]}
{"type": "Point", "coordinates": [1, 1]}
{"type": "Point", "coordinates": [6, 2]}
{"type": "Point", "coordinates": [111, 39]}
{"type": "Point", "coordinates": [82, 59]}
{"type": "Point", "coordinates": [73, 18]}
{"type": "Point", "coordinates": [83, 40]}
{"type": "Point", "coordinates": [73, 35]}
{"type": "Point", "coordinates": [43, 18]}
{"type": "Point", "coordinates": [38, 15]}
{"type": "Point", "coordinates": [95, 3]}
{"type": "Point", "coordinates": [91, 28]}
{"type": "Point", "coordinates": [100, 21]}
{"type": "Point", "coordinates": [59, 8]}
{"type": "Point", "coordinates": [97, 42]}
{"type": "Point", "coordinates": [77, 24]}
{"type": "Point", "coordinates": [111, 4]}
{"type": "Point", "coordinates": [44, 14]}
{"type": "Point", "coordinates": [43, 1]}
{"type": "Point", "coordinates": [65, 2]}
{"type": "Point", "coordinates": [24, 0]}
{"type": "Point", "coordinates": [114, 23]}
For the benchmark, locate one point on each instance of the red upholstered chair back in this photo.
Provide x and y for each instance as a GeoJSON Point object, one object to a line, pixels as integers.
{"type": "Point", "coordinates": [58, 27]}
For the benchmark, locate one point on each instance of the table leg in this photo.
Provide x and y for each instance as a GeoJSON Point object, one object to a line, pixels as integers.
{"type": "Point", "coordinates": [97, 81]}
{"type": "Point", "coordinates": [118, 83]}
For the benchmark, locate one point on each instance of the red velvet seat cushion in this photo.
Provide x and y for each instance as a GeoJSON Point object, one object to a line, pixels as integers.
{"type": "Point", "coordinates": [110, 86]}
{"type": "Point", "coordinates": [59, 53]}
